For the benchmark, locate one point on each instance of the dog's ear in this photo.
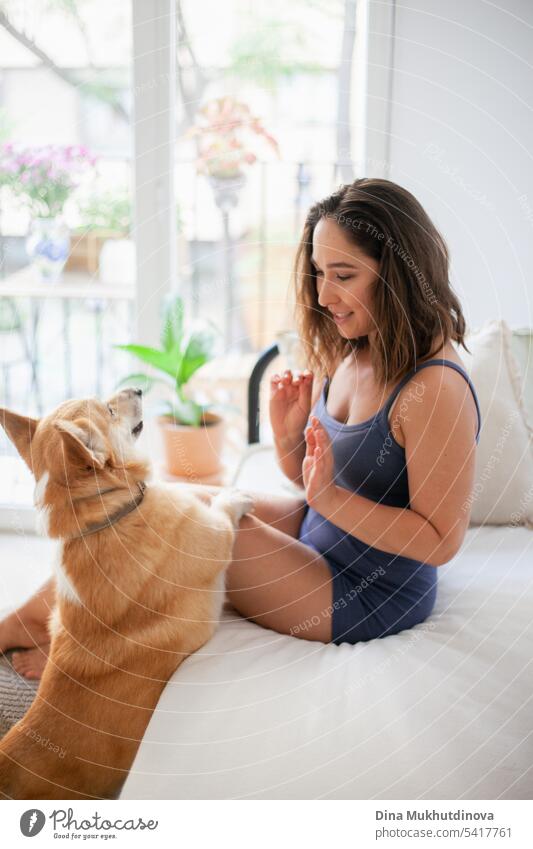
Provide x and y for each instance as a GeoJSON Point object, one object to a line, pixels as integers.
{"type": "Point", "coordinates": [83, 441]}
{"type": "Point", "coordinates": [21, 430]}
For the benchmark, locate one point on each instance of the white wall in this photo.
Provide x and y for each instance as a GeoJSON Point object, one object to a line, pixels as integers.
{"type": "Point", "coordinates": [461, 139]}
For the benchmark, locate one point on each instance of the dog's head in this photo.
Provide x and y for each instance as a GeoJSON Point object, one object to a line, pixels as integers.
{"type": "Point", "coordinates": [80, 439]}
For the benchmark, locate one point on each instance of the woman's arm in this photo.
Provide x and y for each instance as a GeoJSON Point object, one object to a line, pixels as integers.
{"type": "Point", "coordinates": [439, 434]}
{"type": "Point", "coordinates": [290, 458]}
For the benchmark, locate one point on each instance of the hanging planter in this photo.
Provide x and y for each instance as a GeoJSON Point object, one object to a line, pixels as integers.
{"type": "Point", "coordinates": [227, 134]}
{"type": "Point", "coordinates": [227, 190]}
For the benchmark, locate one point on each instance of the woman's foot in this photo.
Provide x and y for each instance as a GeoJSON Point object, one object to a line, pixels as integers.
{"type": "Point", "coordinates": [31, 662]}
{"type": "Point", "coordinates": [18, 631]}
{"type": "Point", "coordinates": [28, 626]}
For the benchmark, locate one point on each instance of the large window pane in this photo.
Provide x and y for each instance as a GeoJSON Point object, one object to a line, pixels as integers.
{"type": "Point", "coordinates": [65, 181]}
{"type": "Point", "coordinates": [258, 72]}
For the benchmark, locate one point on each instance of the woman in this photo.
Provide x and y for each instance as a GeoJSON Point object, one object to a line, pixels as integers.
{"type": "Point", "coordinates": [380, 433]}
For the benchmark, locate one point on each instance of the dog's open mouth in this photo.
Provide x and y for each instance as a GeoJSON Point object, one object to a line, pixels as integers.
{"type": "Point", "coordinates": [137, 429]}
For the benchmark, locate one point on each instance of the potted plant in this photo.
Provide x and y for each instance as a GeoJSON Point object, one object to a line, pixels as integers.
{"type": "Point", "coordinates": [192, 433]}
{"type": "Point", "coordinates": [104, 215]}
{"type": "Point", "coordinates": [44, 179]}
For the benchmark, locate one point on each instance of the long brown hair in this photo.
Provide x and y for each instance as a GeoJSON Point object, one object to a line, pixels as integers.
{"type": "Point", "coordinates": [413, 304]}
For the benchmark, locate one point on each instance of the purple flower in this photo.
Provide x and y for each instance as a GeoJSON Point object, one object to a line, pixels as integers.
{"type": "Point", "coordinates": [44, 176]}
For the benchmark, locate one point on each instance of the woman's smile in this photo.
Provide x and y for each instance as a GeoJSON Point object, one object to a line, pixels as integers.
{"type": "Point", "coordinates": [340, 317]}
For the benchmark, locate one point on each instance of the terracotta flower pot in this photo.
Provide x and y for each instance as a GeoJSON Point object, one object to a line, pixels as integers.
{"type": "Point", "coordinates": [193, 452]}
{"type": "Point", "coordinates": [85, 249]}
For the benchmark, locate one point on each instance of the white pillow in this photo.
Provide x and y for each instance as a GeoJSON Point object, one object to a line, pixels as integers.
{"type": "Point", "coordinates": [503, 489]}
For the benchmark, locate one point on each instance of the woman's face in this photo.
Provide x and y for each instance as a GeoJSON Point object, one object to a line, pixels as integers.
{"type": "Point", "coordinates": [345, 277]}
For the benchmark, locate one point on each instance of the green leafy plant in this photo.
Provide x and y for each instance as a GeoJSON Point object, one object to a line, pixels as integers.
{"type": "Point", "coordinates": [106, 210]}
{"type": "Point", "coordinates": [183, 351]}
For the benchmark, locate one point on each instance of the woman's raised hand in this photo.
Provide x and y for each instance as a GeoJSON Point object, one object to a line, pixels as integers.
{"type": "Point", "coordinates": [290, 405]}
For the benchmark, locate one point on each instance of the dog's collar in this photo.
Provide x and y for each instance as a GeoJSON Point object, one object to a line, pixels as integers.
{"type": "Point", "coordinates": [96, 494]}
{"type": "Point", "coordinates": [112, 520]}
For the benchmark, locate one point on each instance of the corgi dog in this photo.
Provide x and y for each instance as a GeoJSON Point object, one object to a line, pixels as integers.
{"type": "Point", "coordinates": [139, 586]}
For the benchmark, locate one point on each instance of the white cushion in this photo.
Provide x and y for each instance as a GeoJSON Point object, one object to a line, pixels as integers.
{"type": "Point", "coordinates": [522, 344]}
{"type": "Point", "coordinates": [503, 489]}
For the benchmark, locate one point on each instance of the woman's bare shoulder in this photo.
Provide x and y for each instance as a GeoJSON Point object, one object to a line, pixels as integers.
{"type": "Point", "coordinates": [447, 352]}
{"type": "Point", "coordinates": [445, 392]}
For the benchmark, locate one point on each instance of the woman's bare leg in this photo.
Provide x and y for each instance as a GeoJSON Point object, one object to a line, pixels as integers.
{"type": "Point", "coordinates": [279, 582]}
{"type": "Point", "coordinates": [284, 512]}
{"type": "Point", "coordinates": [274, 579]}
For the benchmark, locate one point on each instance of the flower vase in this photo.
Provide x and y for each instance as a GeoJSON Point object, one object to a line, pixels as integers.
{"type": "Point", "coordinates": [47, 246]}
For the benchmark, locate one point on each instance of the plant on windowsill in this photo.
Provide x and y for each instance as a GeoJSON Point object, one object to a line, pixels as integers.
{"type": "Point", "coordinates": [192, 433]}
{"type": "Point", "coordinates": [104, 215]}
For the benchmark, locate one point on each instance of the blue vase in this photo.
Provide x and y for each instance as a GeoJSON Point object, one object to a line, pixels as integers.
{"type": "Point", "coordinates": [48, 246]}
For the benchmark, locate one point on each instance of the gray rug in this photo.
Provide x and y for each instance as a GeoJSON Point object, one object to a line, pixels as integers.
{"type": "Point", "coordinates": [16, 694]}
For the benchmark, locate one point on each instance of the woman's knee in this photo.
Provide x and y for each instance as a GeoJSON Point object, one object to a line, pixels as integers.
{"type": "Point", "coordinates": [285, 513]}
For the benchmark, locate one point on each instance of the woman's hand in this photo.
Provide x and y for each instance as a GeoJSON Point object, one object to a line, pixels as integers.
{"type": "Point", "coordinates": [290, 405]}
{"type": "Point", "coordinates": [318, 468]}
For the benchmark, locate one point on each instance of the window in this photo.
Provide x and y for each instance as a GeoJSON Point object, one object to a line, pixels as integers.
{"type": "Point", "coordinates": [65, 193]}
{"type": "Point", "coordinates": [238, 128]}
{"type": "Point", "coordinates": [267, 126]}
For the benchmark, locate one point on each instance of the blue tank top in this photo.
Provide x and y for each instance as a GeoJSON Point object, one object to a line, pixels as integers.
{"type": "Point", "coordinates": [369, 461]}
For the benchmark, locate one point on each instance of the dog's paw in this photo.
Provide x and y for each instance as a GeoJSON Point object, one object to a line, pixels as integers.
{"type": "Point", "coordinates": [236, 502]}
{"type": "Point", "coordinates": [244, 503]}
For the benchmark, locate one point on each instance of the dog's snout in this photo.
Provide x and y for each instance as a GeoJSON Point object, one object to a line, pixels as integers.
{"type": "Point", "coordinates": [138, 392]}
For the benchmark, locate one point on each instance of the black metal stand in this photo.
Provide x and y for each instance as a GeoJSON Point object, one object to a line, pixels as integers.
{"type": "Point", "coordinates": [254, 385]}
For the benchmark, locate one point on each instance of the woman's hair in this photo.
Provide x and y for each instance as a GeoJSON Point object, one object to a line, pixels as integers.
{"type": "Point", "coordinates": [412, 306]}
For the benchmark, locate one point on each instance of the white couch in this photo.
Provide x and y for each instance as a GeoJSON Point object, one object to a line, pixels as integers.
{"type": "Point", "coordinates": [441, 711]}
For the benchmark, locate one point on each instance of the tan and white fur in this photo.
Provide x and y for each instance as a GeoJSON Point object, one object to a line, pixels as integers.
{"type": "Point", "coordinates": [133, 600]}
